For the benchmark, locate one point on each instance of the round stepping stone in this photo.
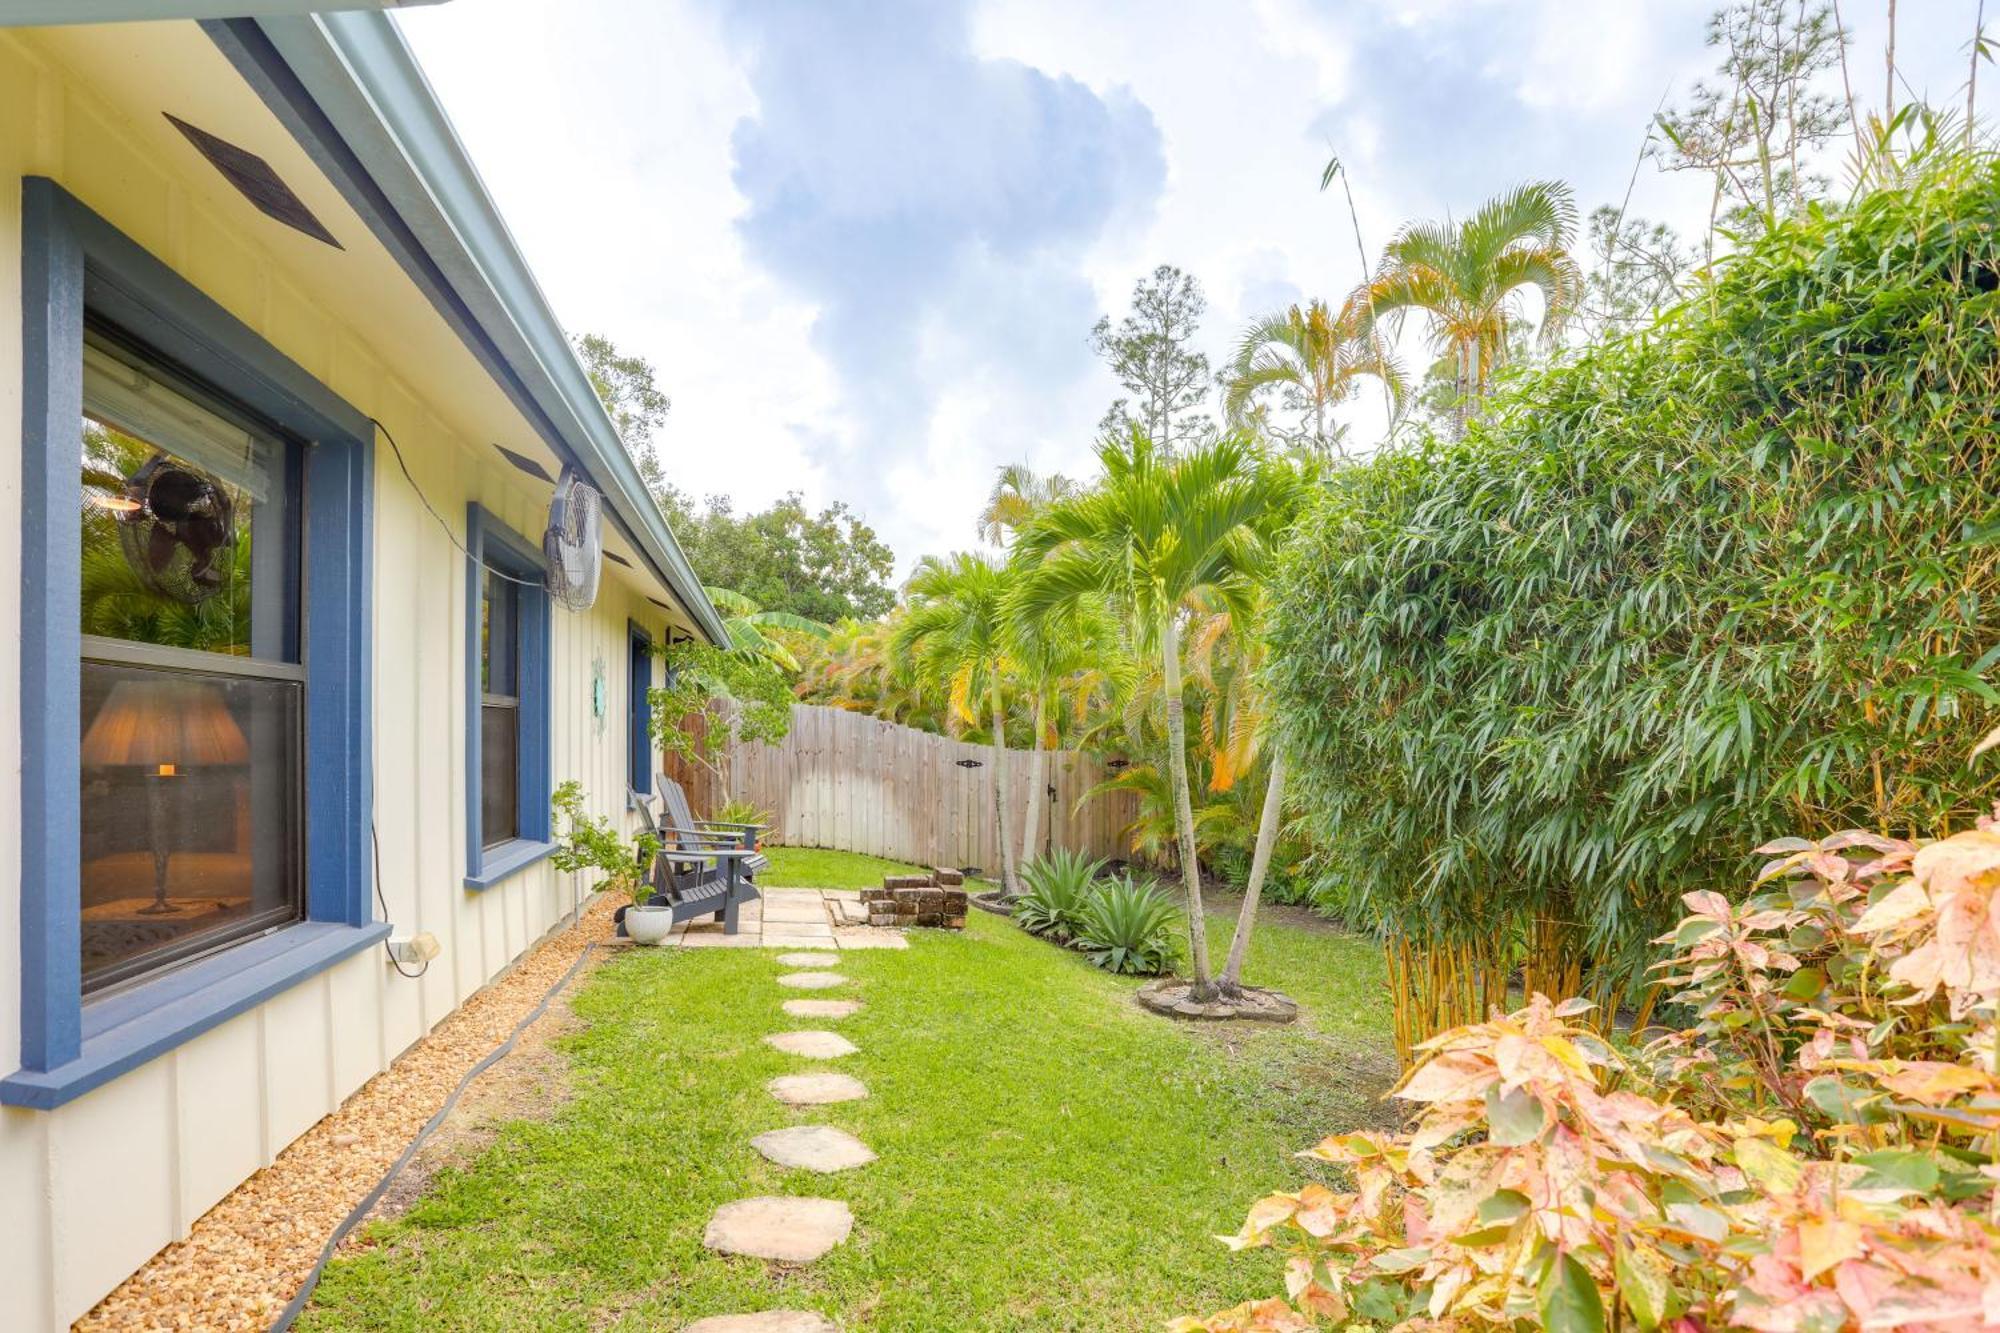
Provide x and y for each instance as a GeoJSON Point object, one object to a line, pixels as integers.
{"type": "Point", "coordinates": [813, 1045]}
{"type": "Point", "coordinates": [770, 1321]}
{"type": "Point", "coordinates": [791, 1231]}
{"type": "Point", "coordinates": [809, 959]}
{"type": "Point", "coordinates": [819, 1148]}
{"type": "Point", "coordinates": [812, 980]}
{"type": "Point", "coordinates": [816, 1089]}
{"type": "Point", "coordinates": [822, 1008]}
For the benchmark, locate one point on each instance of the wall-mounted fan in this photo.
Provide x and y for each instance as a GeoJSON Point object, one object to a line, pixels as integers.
{"type": "Point", "coordinates": [178, 530]}
{"type": "Point", "coordinates": [574, 543]}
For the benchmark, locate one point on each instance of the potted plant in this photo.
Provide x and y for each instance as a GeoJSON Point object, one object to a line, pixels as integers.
{"type": "Point", "coordinates": [593, 844]}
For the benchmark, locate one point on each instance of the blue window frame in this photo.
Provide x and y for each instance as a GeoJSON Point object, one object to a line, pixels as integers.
{"type": "Point", "coordinates": [77, 267]}
{"type": "Point", "coordinates": [639, 685]}
{"type": "Point", "coordinates": [506, 702]}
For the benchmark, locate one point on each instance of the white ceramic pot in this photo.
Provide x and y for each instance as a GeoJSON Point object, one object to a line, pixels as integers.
{"type": "Point", "coordinates": [648, 925]}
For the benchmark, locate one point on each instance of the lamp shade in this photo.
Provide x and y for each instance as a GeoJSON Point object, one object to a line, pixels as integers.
{"type": "Point", "coordinates": [161, 722]}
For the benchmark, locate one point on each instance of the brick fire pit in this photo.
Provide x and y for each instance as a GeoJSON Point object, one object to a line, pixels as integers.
{"type": "Point", "coordinates": [936, 900]}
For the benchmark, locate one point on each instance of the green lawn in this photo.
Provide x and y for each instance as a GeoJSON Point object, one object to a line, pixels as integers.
{"type": "Point", "coordinates": [814, 868]}
{"type": "Point", "coordinates": [1051, 1156]}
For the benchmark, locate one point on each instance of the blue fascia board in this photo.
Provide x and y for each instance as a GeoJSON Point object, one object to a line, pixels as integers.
{"type": "Point", "coordinates": [125, 1030]}
{"type": "Point", "coordinates": [409, 177]}
{"type": "Point", "coordinates": [48, 13]}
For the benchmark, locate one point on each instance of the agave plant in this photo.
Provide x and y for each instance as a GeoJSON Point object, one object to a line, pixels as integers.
{"type": "Point", "coordinates": [1059, 889]}
{"type": "Point", "coordinates": [1131, 926]}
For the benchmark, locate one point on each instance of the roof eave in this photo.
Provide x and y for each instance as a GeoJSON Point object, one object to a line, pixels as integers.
{"type": "Point", "coordinates": [349, 89]}
{"type": "Point", "coordinates": [46, 13]}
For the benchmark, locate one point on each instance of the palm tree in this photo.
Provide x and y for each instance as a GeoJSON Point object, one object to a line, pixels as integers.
{"type": "Point", "coordinates": [1070, 651]}
{"type": "Point", "coordinates": [955, 634]}
{"type": "Point", "coordinates": [750, 625]}
{"type": "Point", "coordinates": [1157, 533]}
{"type": "Point", "coordinates": [1316, 360]}
{"type": "Point", "coordinates": [1465, 276]}
{"type": "Point", "coordinates": [1235, 727]}
{"type": "Point", "coordinates": [1019, 493]}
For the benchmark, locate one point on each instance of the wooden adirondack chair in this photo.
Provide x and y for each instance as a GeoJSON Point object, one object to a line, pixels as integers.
{"type": "Point", "coordinates": [703, 868]}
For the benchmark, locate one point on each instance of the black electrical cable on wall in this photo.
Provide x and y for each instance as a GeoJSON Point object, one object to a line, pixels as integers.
{"type": "Point", "coordinates": [450, 536]}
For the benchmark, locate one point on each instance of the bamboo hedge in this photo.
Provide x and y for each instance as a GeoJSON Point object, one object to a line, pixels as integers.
{"type": "Point", "coordinates": [1731, 578]}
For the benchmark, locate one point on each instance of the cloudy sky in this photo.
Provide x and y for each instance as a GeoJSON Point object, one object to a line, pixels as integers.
{"type": "Point", "coordinates": [863, 241]}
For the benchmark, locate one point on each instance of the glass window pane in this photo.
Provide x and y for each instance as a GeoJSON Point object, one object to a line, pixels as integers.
{"type": "Point", "coordinates": [189, 532]}
{"type": "Point", "coordinates": [190, 811]}
{"type": "Point", "coordinates": [499, 636]}
{"type": "Point", "coordinates": [499, 757]}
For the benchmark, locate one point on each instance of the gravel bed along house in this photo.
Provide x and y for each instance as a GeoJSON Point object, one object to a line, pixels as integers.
{"type": "Point", "coordinates": [249, 1254]}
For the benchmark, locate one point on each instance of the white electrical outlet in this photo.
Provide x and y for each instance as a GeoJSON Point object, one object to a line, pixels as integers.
{"type": "Point", "coordinates": [418, 948]}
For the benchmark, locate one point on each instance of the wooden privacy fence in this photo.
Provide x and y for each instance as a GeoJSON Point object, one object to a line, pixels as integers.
{"type": "Point", "coordinates": [859, 784]}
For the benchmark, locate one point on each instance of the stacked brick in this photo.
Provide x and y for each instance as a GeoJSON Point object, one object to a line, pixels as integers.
{"type": "Point", "coordinates": [936, 900]}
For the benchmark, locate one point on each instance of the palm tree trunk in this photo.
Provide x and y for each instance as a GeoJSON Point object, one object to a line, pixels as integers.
{"type": "Point", "coordinates": [1033, 823]}
{"type": "Point", "coordinates": [1260, 866]}
{"type": "Point", "coordinates": [1010, 883]}
{"type": "Point", "coordinates": [1170, 647]}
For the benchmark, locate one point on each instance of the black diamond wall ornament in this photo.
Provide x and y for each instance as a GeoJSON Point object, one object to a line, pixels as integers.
{"type": "Point", "coordinates": [255, 180]}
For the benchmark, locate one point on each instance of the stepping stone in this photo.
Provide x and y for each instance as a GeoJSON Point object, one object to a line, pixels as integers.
{"type": "Point", "coordinates": [809, 959]}
{"type": "Point", "coordinates": [812, 980]}
{"type": "Point", "coordinates": [791, 1231]}
{"type": "Point", "coordinates": [770, 1321]}
{"type": "Point", "coordinates": [816, 1089]}
{"type": "Point", "coordinates": [819, 1148]}
{"type": "Point", "coordinates": [787, 935]}
{"type": "Point", "coordinates": [812, 911]}
{"type": "Point", "coordinates": [813, 1045]}
{"type": "Point", "coordinates": [822, 1008]}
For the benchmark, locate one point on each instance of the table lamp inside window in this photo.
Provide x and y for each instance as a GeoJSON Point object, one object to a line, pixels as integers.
{"type": "Point", "coordinates": [161, 726]}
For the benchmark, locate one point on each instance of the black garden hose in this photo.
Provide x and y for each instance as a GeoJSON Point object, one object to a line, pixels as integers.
{"type": "Point", "coordinates": [297, 1305]}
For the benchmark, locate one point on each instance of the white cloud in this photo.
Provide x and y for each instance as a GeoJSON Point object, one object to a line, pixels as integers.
{"type": "Point", "coordinates": [614, 135]}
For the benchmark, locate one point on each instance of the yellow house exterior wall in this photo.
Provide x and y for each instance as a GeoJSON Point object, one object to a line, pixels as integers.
{"type": "Point", "coordinates": [95, 1187]}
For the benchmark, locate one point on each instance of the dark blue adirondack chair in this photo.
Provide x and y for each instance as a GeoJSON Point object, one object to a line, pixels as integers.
{"type": "Point", "coordinates": [704, 867]}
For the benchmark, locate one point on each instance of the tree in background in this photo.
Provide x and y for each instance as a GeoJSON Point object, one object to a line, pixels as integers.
{"type": "Point", "coordinates": [1157, 533]}
{"type": "Point", "coordinates": [1072, 652]}
{"type": "Point", "coordinates": [738, 695]}
{"type": "Point", "coordinates": [762, 633]}
{"type": "Point", "coordinates": [1755, 124]}
{"type": "Point", "coordinates": [857, 669]}
{"type": "Point", "coordinates": [1314, 360]}
{"type": "Point", "coordinates": [825, 567]}
{"type": "Point", "coordinates": [1019, 493]}
{"type": "Point", "coordinates": [1236, 724]}
{"type": "Point", "coordinates": [1466, 276]}
{"type": "Point", "coordinates": [1637, 270]}
{"type": "Point", "coordinates": [786, 560]}
{"type": "Point", "coordinates": [1152, 353]}
{"type": "Point", "coordinates": [627, 387]}
{"type": "Point", "coordinates": [954, 634]}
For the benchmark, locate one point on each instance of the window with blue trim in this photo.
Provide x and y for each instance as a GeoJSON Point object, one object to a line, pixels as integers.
{"type": "Point", "coordinates": [639, 686]}
{"type": "Point", "coordinates": [507, 702]}
{"type": "Point", "coordinates": [195, 647]}
{"type": "Point", "coordinates": [192, 688]}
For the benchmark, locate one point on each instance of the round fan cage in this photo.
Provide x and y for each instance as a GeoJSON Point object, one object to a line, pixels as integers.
{"type": "Point", "coordinates": [574, 543]}
{"type": "Point", "coordinates": [179, 533]}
